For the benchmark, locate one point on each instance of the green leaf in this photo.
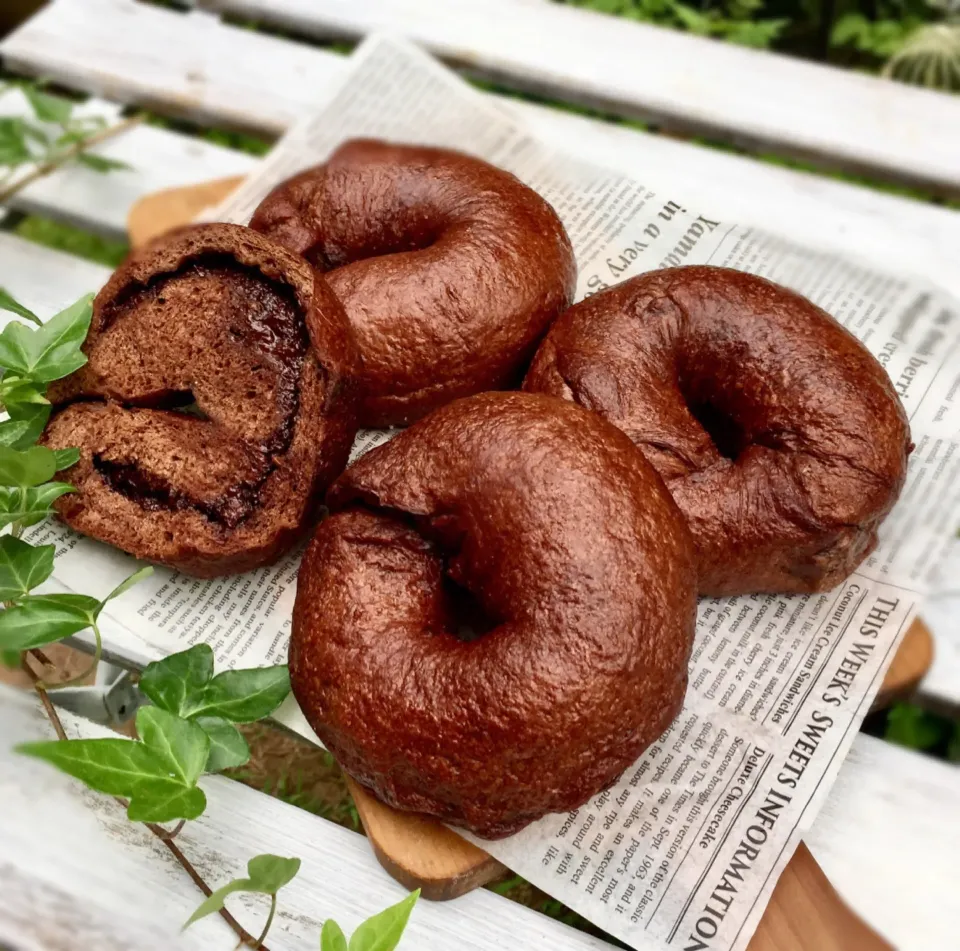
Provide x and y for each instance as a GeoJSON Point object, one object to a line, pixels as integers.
{"type": "Point", "coordinates": [15, 391]}
{"type": "Point", "coordinates": [32, 466]}
{"type": "Point", "coordinates": [331, 937]}
{"type": "Point", "coordinates": [179, 745]}
{"type": "Point", "coordinates": [383, 932]}
{"type": "Point", "coordinates": [267, 874]}
{"type": "Point", "coordinates": [51, 351]}
{"type": "Point", "coordinates": [37, 134]}
{"type": "Point", "coordinates": [164, 801]}
{"type": "Point", "coordinates": [27, 421]}
{"type": "Point", "coordinates": [171, 681]}
{"type": "Point", "coordinates": [44, 618]}
{"type": "Point", "coordinates": [911, 726]}
{"type": "Point", "coordinates": [66, 458]}
{"type": "Point", "coordinates": [48, 108]}
{"type": "Point", "coordinates": [13, 142]}
{"type": "Point", "coordinates": [10, 659]}
{"type": "Point", "coordinates": [111, 766]}
{"type": "Point", "coordinates": [227, 746]}
{"type": "Point", "coordinates": [23, 566]}
{"type": "Point", "coordinates": [128, 582]}
{"type": "Point", "coordinates": [214, 901]}
{"type": "Point", "coordinates": [29, 505]}
{"type": "Point", "coordinates": [123, 768]}
{"type": "Point", "coordinates": [100, 163]}
{"type": "Point", "coordinates": [241, 696]}
{"type": "Point", "coordinates": [9, 302]}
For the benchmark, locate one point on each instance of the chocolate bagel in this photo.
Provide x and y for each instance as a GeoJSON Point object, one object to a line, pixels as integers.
{"type": "Point", "coordinates": [218, 401]}
{"type": "Point", "coordinates": [497, 619]}
{"type": "Point", "coordinates": [778, 434]}
{"type": "Point", "coordinates": [450, 270]}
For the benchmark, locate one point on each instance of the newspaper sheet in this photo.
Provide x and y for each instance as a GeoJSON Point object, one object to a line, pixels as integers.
{"type": "Point", "coordinates": [684, 851]}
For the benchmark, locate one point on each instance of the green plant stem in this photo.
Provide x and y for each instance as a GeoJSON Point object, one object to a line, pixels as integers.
{"type": "Point", "coordinates": [52, 164]}
{"type": "Point", "coordinates": [16, 529]}
{"type": "Point", "coordinates": [91, 669]}
{"type": "Point", "coordinates": [266, 927]}
{"type": "Point", "coordinates": [235, 926]}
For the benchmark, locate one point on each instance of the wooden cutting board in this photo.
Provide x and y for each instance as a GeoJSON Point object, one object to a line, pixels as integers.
{"type": "Point", "coordinates": [804, 914]}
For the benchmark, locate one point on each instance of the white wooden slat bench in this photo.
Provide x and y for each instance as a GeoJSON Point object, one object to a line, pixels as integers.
{"type": "Point", "coordinates": [103, 882]}
{"type": "Point", "coordinates": [194, 66]}
{"type": "Point", "coordinates": [887, 802]}
{"type": "Point", "coordinates": [687, 82]}
{"type": "Point", "coordinates": [102, 878]}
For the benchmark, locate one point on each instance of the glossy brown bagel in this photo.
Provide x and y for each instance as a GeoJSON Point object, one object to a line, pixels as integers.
{"type": "Point", "coordinates": [450, 270]}
{"type": "Point", "coordinates": [256, 351]}
{"type": "Point", "coordinates": [497, 620]}
{"type": "Point", "coordinates": [779, 435]}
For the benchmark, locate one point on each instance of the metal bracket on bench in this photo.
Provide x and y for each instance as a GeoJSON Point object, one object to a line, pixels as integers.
{"type": "Point", "coordinates": [111, 700]}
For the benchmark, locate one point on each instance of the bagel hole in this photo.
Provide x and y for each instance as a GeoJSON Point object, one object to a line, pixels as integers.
{"type": "Point", "coordinates": [469, 620]}
{"type": "Point", "coordinates": [725, 432]}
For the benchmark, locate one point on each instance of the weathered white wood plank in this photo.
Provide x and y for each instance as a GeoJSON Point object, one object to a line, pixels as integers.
{"type": "Point", "coordinates": [887, 838]}
{"type": "Point", "coordinates": [90, 53]}
{"type": "Point", "coordinates": [132, 52]}
{"type": "Point", "coordinates": [158, 159]}
{"type": "Point", "coordinates": [45, 280]}
{"type": "Point", "coordinates": [941, 687]}
{"type": "Point", "coordinates": [84, 877]}
{"type": "Point", "coordinates": [745, 95]}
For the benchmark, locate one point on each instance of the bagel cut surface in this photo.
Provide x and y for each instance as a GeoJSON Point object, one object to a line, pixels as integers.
{"type": "Point", "coordinates": [219, 400]}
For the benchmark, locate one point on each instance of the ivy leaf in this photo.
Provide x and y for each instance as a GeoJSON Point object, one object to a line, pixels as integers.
{"type": "Point", "coordinates": [48, 108]}
{"type": "Point", "coordinates": [45, 618]}
{"type": "Point", "coordinates": [127, 582]}
{"type": "Point", "coordinates": [51, 351]}
{"type": "Point", "coordinates": [164, 801]}
{"type": "Point", "coordinates": [227, 745]}
{"type": "Point", "coordinates": [269, 873]}
{"type": "Point", "coordinates": [171, 681]}
{"type": "Point", "coordinates": [111, 766]}
{"type": "Point", "coordinates": [15, 391]}
{"type": "Point", "coordinates": [100, 163]}
{"type": "Point", "coordinates": [241, 696]}
{"type": "Point", "coordinates": [13, 142]}
{"type": "Point", "coordinates": [23, 566]}
{"type": "Point", "coordinates": [10, 659]}
{"type": "Point", "coordinates": [66, 458]}
{"type": "Point", "coordinates": [9, 302]}
{"type": "Point", "coordinates": [383, 931]}
{"type": "Point", "coordinates": [28, 467]}
{"type": "Point", "coordinates": [31, 504]}
{"type": "Point", "coordinates": [331, 937]}
{"type": "Point", "coordinates": [266, 875]}
{"type": "Point", "coordinates": [27, 421]}
{"type": "Point", "coordinates": [123, 768]}
{"type": "Point", "coordinates": [180, 746]}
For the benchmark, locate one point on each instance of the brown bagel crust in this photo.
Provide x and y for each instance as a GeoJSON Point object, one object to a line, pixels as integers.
{"type": "Point", "coordinates": [450, 269]}
{"type": "Point", "coordinates": [221, 315]}
{"type": "Point", "coordinates": [579, 566]}
{"type": "Point", "coordinates": [815, 437]}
